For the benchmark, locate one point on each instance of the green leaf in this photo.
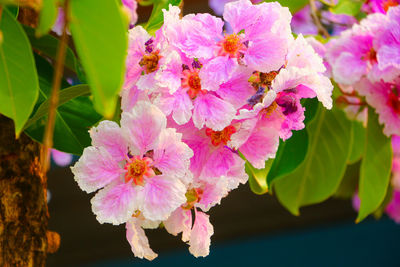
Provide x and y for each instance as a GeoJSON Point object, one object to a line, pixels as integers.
{"type": "Point", "coordinates": [293, 5]}
{"type": "Point", "coordinates": [258, 177]}
{"type": "Point", "coordinates": [14, 10]}
{"type": "Point", "coordinates": [48, 45]}
{"type": "Point", "coordinates": [292, 152]}
{"type": "Point", "coordinates": [319, 175]}
{"type": "Point", "coordinates": [375, 168]}
{"type": "Point", "coordinates": [65, 95]}
{"type": "Point", "coordinates": [100, 36]}
{"type": "Point", "coordinates": [348, 7]}
{"type": "Point", "coordinates": [18, 78]}
{"type": "Point", "coordinates": [357, 149]}
{"type": "Point", "coordinates": [48, 15]}
{"type": "Point", "coordinates": [290, 155]}
{"type": "Point", "coordinates": [73, 118]}
{"type": "Point", "coordinates": [157, 17]}
{"type": "Point", "coordinates": [381, 209]}
{"type": "Point", "coordinates": [348, 185]}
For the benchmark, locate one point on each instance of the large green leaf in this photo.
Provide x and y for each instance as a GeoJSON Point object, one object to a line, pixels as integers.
{"type": "Point", "coordinates": [65, 95]}
{"type": "Point", "coordinates": [290, 155]}
{"type": "Point", "coordinates": [293, 5]}
{"type": "Point", "coordinates": [349, 183]}
{"type": "Point", "coordinates": [157, 17]}
{"type": "Point", "coordinates": [292, 152]}
{"type": "Point", "coordinates": [100, 33]}
{"type": "Point", "coordinates": [357, 149]}
{"type": "Point", "coordinates": [319, 175]}
{"type": "Point", "coordinates": [375, 168]}
{"type": "Point", "coordinates": [18, 78]}
{"type": "Point", "coordinates": [348, 7]}
{"type": "Point", "coordinates": [258, 177]}
{"type": "Point", "coordinates": [73, 119]}
{"type": "Point", "coordinates": [48, 45]}
{"type": "Point", "coordinates": [48, 15]}
{"type": "Point", "coordinates": [14, 10]}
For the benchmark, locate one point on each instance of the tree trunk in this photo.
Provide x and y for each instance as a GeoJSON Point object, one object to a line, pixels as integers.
{"type": "Point", "coordinates": [23, 206]}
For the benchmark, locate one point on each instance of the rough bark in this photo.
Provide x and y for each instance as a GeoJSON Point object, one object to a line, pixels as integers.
{"type": "Point", "coordinates": [23, 206]}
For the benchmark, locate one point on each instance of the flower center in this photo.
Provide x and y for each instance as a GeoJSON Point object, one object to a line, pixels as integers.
{"type": "Point", "coordinates": [192, 197]}
{"type": "Point", "coordinates": [394, 100]}
{"type": "Point", "coordinates": [288, 103]}
{"type": "Point", "coordinates": [267, 112]}
{"type": "Point", "coordinates": [231, 45]}
{"type": "Point", "coordinates": [388, 4]}
{"type": "Point", "coordinates": [192, 82]}
{"type": "Point", "coordinates": [371, 56]}
{"type": "Point", "coordinates": [221, 137]}
{"type": "Point", "coordinates": [137, 169]}
{"type": "Point", "coordinates": [150, 62]}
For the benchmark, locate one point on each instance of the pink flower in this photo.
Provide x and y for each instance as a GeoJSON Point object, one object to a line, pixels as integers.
{"type": "Point", "coordinates": [186, 98]}
{"type": "Point", "coordinates": [142, 165]}
{"type": "Point", "coordinates": [385, 99]}
{"type": "Point", "coordinates": [393, 208]}
{"type": "Point", "coordinates": [380, 6]}
{"type": "Point", "coordinates": [59, 24]}
{"type": "Point", "coordinates": [61, 158]}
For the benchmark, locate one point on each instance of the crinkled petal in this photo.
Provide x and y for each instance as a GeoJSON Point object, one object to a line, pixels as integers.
{"type": "Point", "coordinates": [200, 238]}
{"type": "Point", "coordinates": [180, 221]}
{"type": "Point", "coordinates": [108, 134]}
{"type": "Point", "coordinates": [116, 203]}
{"type": "Point", "coordinates": [172, 156]}
{"type": "Point", "coordinates": [213, 112]}
{"type": "Point", "coordinates": [95, 169]}
{"type": "Point", "coordinates": [162, 195]}
{"type": "Point", "coordinates": [138, 240]}
{"type": "Point", "coordinates": [216, 72]}
{"type": "Point", "coordinates": [238, 89]}
{"type": "Point", "coordinates": [257, 58]}
{"type": "Point", "coordinates": [171, 72]}
{"type": "Point", "coordinates": [142, 127]}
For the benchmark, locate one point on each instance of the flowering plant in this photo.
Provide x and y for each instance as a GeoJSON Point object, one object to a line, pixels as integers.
{"type": "Point", "coordinates": [183, 109]}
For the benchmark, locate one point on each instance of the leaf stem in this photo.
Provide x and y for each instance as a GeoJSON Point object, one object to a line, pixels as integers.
{"type": "Point", "coordinates": [317, 22]}
{"type": "Point", "coordinates": [54, 98]}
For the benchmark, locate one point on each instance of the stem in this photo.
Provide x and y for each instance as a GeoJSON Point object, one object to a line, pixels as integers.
{"type": "Point", "coordinates": [315, 17]}
{"type": "Point", "coordinates": [58, 73]}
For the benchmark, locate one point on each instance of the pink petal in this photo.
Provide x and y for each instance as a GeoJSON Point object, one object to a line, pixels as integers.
{"type": "Point", "coordinates": [215, 72]}
{"type": "Point", "coordinates": [180, 221]}
{"type": "Point", "coordinates": [142, 126]}
{"type": "Point", "coordinates": [162, 195]}
{"type": "Point", "coordinates": [262, 144]}
{"type": "Point", "coordinates": [108, 134]}
{"type": "Point", "coordinates": [213, 112]}
{"type": "Point", "coordinates": [61, 158]}
{"type": "Point", "coordinates": [116, 203]}
{"type": "Point", "coordinates": [200, 238]}
{"type": "Point", "coordinates": [238, 89]}
{"type": "Point", "coordinates": [138, 240]}
{"type": "Point", "coordinates": [95, 169]}
{"type": "Point", "coordinates": [172, 156]}
{"type": "Point", "coordinates": [256, 57]}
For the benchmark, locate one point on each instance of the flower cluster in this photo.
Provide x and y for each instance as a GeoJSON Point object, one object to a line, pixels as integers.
{"type": "Point", "coordinates": [196, 100]}
{"type": "Point", "coordinates": [365, 61]}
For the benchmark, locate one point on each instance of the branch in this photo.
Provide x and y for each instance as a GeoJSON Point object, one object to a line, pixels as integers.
{"type": "Point", "coordinates": [317, 22]}
{"type": "Point", "coordinates": [58, 73]}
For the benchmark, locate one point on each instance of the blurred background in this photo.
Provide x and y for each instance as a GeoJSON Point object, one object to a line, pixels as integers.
{"type": "Point", "coordinates": [248, 229]}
